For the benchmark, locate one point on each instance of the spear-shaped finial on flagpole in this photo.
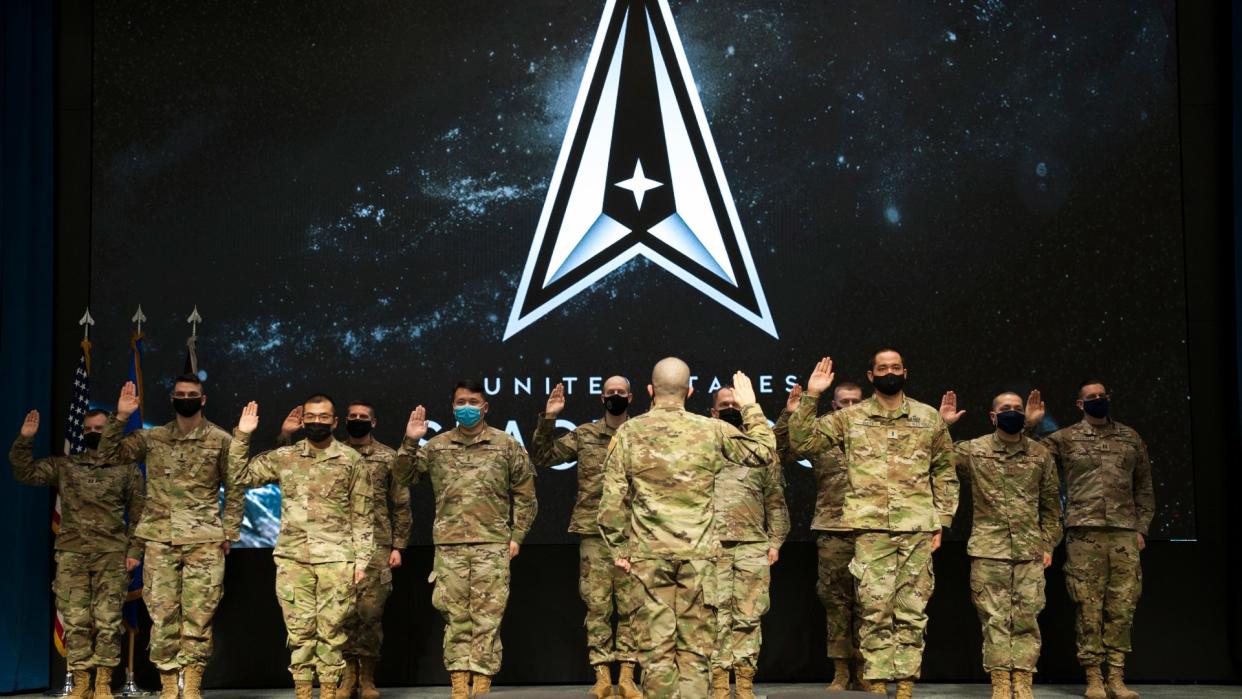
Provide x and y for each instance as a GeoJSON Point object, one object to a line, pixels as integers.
{"type": "Point", "coordinates": [139, 318]}
{"type": "Point", "coordinates": [194, 320]}
{"type": "Point", "coordinates": [86, 322]}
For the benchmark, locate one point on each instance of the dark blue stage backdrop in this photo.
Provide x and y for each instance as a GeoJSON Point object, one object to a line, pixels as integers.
{"type": "Point", "coordinates": [378, 199]}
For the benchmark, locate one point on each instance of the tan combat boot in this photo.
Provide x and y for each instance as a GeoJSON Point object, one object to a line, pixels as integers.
{"type": "Point", "coordinates": [874, 686]}
{"type": "Point", "coordinates": [603, 682]}
{"type": "Point", "coordinates": [1022, 681]}
{"type": "Point", "coordinates": [1002, 687]}
{"type": "Point", "coordinates": [860, 684]}
{"type": "Point", "coordinates": [349, 680]}
{"type": "Point", "coordinates": [720, 683]}
{"type": "Point", "coordinates": [168, 684]}
{"type": "Point", "coordinates": [103, 683]}
{"type": "Point", "coordinates": [303, 690]}
{"type": "Point", "coordinates": [366, 680]}
{"type": "Point", "coordinates": [81, 685]}
{"type": "Point", "coordinates": [840, 675]}
{"type": "Point", "coordinates": [745, 684]}
{"type": "Point", "coordinates": [905, 689]}
{"type": "Point", "coordinates": [461, 684]}
{"type": "Point", "coordinates": [625, 683]}
{"type": "Point", "coordinates": [1117, 688]}
{"type": "Point", "coordinates": [193, 686]}
{"type": "Point", "coordinates": [327, 690]}
{"type": "Point", "coordinates": [1095, 683]}
{"type": "Point", "coordinates": [482, 685]}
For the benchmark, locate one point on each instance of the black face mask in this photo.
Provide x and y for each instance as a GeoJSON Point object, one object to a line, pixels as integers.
{"type": "Point", "coordinates": [317, 431]}
{"type": "Point", "coordinates": [889, 384]}
{"type": "Point", "coordinates": [90, 440]}
{"type": "Point", "coordinates": [1096, 407]}
{"type": "Point", "coordinates": [1010, 421]}
{"type": "Point", "coordinates": [733, 416]}
{"type": "Point", "coordinates": [616, 405]}
{"type": "Point", "coordinates": [187, 407]}
{"type": "Point", "coordinates": [358, 428]}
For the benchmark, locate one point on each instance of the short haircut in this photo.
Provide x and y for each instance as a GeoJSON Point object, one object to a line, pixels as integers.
{"type": "Point", "coordinates": [716, 393]}
{"type": "Point", "coordinates": [363, 403]}
{"type": "Point", "coordinates": [97, 411]}
{"type": "Point", "coordinates": [470, 385]}
{"type": "Point", "coordinates": [320, 398]}
{"type": "Point", "coordinates": [1089, 382]}
{"type": "Point", "coordinates": [847, 386]}
{"type": "Point", "coordinates": [188, 378]}
{"type": "Point", "coordinates": [1002, 394]}
{"type": "Point", "coordinates": [885, 349]}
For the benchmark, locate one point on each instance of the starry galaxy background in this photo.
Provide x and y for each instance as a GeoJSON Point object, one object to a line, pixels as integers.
{"type": "Point", "coordinates": [349, 191]}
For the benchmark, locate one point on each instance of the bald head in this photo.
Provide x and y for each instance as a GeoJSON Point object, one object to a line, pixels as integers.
{"type": "Point", "coordinates": [670, 378]}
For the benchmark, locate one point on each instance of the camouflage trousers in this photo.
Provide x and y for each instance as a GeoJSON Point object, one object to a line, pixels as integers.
{"type": "Point", "coordinates": [742, 580]}
{"type": "Point", "coordinates": [471, 591]}
{"type": "Point", "coordinates": [315, 599]}
{"type": "Point", "coordinates": [90, 589]}
{"type": "Point", "coordinates": [895, 581]}
{"type": "Point", "coordinates": [182, 586]}
{"type": "Point", "coordinates": [835, 587]}
{"type": "Point", "coordinates": [1105, 579]}
{"type": "Point", "coordinates": [602, 584]}
{"type": "Point", "coordinates": [365, 626]}
{"type": "Point", "coordinates": [1009, 595]}
{"type": "Point", "coordinates": [674, 625]}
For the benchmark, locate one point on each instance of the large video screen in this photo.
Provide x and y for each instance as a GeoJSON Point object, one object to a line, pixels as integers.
{"type": "Point", "coordinates": [379, 199]}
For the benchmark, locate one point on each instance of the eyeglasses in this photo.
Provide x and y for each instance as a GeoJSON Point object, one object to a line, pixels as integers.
{"type": "Point", "coordinates": [318, 417]}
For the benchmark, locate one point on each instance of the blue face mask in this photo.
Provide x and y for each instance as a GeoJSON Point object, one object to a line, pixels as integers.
{"type": "Point", "coordinates": [468, 415]}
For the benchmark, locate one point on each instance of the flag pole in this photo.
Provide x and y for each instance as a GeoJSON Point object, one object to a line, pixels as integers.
{"type": "Point", "coordinates": [131, 688]}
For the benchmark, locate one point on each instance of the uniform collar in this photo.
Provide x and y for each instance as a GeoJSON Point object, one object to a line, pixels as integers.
{"type": "Point", "coordinates": [874, 408]}
{"type": "Point", "coordinates": [1090, 429]}
{"type": "Point", "coordinates": [1001, 445]}
{"type": "Point", "coordinates": [333, 450]}
{"type": "Point", "coordinates": [459, 437]}
{"type": "Point", "coordinates": [196, 433]}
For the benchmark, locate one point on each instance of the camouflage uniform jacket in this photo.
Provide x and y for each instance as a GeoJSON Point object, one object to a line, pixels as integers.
{"type": "Point", "coordinates": [1107, 476]}
{"type": "Point", "coordinates": [659, 480]}
{"type": "Point", "coordinates": [1016, 498]}
{"type": "Point", "coordinates": [94, 497]}
{"type": "Point", "coordinates": [588, 444]}
{"type": "Point", "coordinates": [900, 462]}
{"type": "Point", "coordinates": [184, 476]}
{"type": "Point", "coordinates": [831, 478]}
{"type": "Point", "coordinates": [473, 479]}
{"type": "Point", "coordinates": [392, 518]}
{"type": "Point", "coordinates": [750, 504]}
{"type": "Point", "coordinates": [325, 498]}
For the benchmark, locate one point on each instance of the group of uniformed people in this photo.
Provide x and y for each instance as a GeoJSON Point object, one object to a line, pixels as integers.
{"type": "Point", "coordinates": [680, 517]}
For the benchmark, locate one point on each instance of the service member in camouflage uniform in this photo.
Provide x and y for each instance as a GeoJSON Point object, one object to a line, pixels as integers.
{"type": "Point", "coordinates": [184, 534]}
{"type": "Point", "coordinates": [752, 521]}
{"type": "Point", "coordinates": [325, 544]}
{"type": "Point", "coordinates": [391, 518]}
{"type": "Point", "coordinates": [600, 583]}
{"type": "Point", "coordinates": [657, 518]}
{"type": "Point", "coordinates": [475, 471]}
{"type": "Point", "coordinates": [1015, 526]}
{"type": "Point", "coordinates": [1109, 506]}
{"type": "Point", "coordinates": [95, 550]}
{"type": "Point", "coordinates": [903, 490]}
{"type": "Point", "coordinates": [835, 543]}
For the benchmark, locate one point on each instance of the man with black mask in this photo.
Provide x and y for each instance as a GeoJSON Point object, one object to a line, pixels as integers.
{"type": "Point", "coordinates": [752, 522]}
{"type": "Point", "coordinates": [903, 490]}
{"type": "Point", "coordinates": [601, 584]}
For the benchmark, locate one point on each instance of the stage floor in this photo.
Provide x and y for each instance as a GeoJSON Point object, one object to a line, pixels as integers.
{"type": "Point", "coordinates": [923, 691]}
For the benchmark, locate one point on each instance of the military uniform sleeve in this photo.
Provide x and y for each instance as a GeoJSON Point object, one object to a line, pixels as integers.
{"type": "Point", "coordinates": [945, 488]}
{"type": "Point", "coordinates": [781, 431]}
{"type": "Point", "coordinates": [410, 464]}
{"type": "Point", "coordinates": [234, 497]}
{"type": "Point", "coordinates": [756, 446]}
{"type": "Point", "coordinates": [1052, 442]}
{"type": "Point", "coordinates": [29, 471]}
{"type": "Point", "coordinates": [399, 515]}
{"type": "Point", "coordinates": [283, 440]}
{"type": "Point", "coordinates": [116, 447]}
{"type": "Point", "coordinates": [522, 486]}
{"type": "Point", "coordinates": [1050, 505]}
{"type": "Point", "coordinates": [546, 449]}
{"type": "Point", "coordinates": [775, 509]}
{"type": "Point", "coordinates": [961, 459]}
{"type": "Point", "coordinates": [361, 522]}
{"type": "Point", "coordinates": [135, 498]}
{"type": "Point", "coordinates": [245, 472]}
{"type": "Point", "coordinates": [808, 435]}
{"type": "Point", "coordinates": [614, 504]}
{"type": "Point", "coordinates": [1144, 493]}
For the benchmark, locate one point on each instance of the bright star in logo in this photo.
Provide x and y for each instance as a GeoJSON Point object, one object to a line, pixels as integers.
{"type": "Point", "coordinates": [639, 184]}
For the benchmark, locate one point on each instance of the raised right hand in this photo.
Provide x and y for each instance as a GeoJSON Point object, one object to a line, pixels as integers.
{"type": "Point", "coordinates": [128, 401]}
{"type": "Point", "coordinates": [821, 378]}
{"type": "Point", "coordinates": [30, 426]}
{"type": "Point", "coordinates": [292, 423]}
{"type": "Point", "coordinates": [249, 418]}
{"type": "Point", "coordinates": [416, 428]}
{"type": "Point", "coordinates": [795, 397]}
{"type": "Point", "coordinates": [556, 401]}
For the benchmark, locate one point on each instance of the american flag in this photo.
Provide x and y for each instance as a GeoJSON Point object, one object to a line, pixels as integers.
{"type": "Point", "coordinates": [78, 405]}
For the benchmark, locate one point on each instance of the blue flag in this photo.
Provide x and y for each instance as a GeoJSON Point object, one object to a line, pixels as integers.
{"type": "Point", "coordinates": [130, 611]}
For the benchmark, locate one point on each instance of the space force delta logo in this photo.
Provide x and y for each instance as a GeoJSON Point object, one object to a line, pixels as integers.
{"type": "Point", "coordinates": [638, 174]}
